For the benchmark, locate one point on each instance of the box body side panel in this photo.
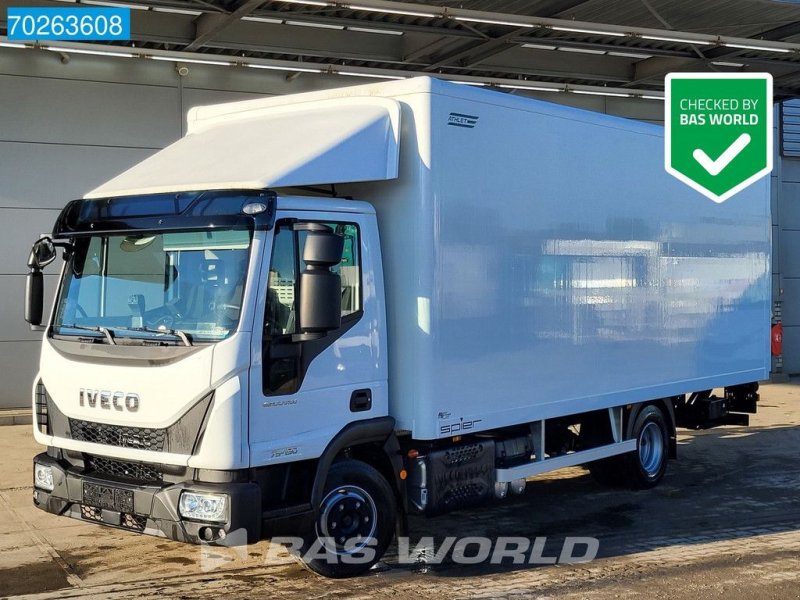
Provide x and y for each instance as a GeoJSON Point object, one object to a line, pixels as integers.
{"type": "Point", "coordinates": [571, 272]}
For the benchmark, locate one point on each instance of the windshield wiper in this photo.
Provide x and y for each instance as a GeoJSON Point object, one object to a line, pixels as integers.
{"type": "Point", "coordinates": [107, 331]}
{"type": "Point", "coordinates": [97, 328]}
{"type": "Point", "coordinates": [176, 332]}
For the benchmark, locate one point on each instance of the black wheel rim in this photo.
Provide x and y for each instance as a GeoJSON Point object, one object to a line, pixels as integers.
{"type": "Point", "coordinates": [347, 520]}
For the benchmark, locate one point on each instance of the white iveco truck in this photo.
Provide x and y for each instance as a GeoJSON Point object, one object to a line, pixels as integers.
{"type": "Point", "coordinates": [316, 314]}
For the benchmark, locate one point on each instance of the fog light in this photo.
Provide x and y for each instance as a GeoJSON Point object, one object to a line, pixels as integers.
{"type": "Point", "coordinates": [203, 507]}
{"type": "Point", "coordinates": [517, 486]}
{"type": "Point", "coordinates": [43, 477]}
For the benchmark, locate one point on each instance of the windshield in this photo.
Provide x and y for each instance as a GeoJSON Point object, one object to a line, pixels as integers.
{"type": "Point", "coordinates": [150, 286]}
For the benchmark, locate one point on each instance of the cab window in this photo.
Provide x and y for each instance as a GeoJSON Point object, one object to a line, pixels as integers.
{"type": "Point", "coordinates": [281, 366]}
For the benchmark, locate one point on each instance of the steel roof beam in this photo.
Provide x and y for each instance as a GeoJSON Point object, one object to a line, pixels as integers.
{"type": "Point", "coordinates": [472, 54]}
{"type": "Point", "coordinates": [327, 68]}
{"type": "Point", "coordinates": [208, 25]}
{"type": "Point", "coordinates": [489, 48]}
{"type": "Point", "coordinates": [534, 22]}
{"type": "Point", "coordinates": [782, 32]}
{"type": "Point", "coordinates": [450, 14]}
{"type": "Point", "coordinates": [454, 40]}
{"type": "Point", "coordinates": [659, 67]}
{"type": "Point", "coordinates": [550, 8]}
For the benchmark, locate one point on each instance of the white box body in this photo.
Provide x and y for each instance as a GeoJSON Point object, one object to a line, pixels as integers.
{"type": "Point", "coordinates": [540, 262]}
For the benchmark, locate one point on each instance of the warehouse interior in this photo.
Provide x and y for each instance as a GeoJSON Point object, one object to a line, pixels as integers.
{"type": "Point", "coordinates": [76, 114]}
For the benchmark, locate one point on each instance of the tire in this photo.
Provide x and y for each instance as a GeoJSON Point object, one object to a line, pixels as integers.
{"type": "Point", "coordinates": [645, 468]}
{"type": "Point", "coordinates": [355, 523]}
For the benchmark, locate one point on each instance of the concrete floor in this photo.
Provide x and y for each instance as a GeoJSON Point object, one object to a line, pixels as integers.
{"type": "Point", "coordinates": [725, 523]}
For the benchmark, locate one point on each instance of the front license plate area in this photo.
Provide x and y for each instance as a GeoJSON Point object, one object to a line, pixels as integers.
{"type": "Point", "coordinates": [108, 497]}
{"type": "Point", "coordinates": [111, 517]}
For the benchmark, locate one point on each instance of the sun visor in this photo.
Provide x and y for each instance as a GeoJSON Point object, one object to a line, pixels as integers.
{"type": "Point", "coordinates": [313, 143]}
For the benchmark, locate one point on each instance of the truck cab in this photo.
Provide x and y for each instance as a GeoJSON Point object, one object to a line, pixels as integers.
{"type": "Point", "coordinates": [226, 330]}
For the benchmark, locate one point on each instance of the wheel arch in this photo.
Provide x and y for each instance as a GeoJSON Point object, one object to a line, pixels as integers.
{"type": "Point", "coordinates": [372, 441]}
{"type": "Point", "coordinates": [667, 406]}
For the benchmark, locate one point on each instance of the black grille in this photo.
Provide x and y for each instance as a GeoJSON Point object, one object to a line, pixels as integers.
{"type": "Point", "coordinates": [463, 454]}
{"type": "Point", "coordinates": [128, 520]}
{"type": "Point", "coordinates": [132, 521]}
{"type": "Point", "coordinates": [139, 438]}
{"type": "Point", "coordinates": [91, 513]}
{"type": "Point", "coordinates": [104, 496]}
{"type": "Point", "coordinates": [41, 408]}
{"type": "Point", "coordinates": [123, 469]}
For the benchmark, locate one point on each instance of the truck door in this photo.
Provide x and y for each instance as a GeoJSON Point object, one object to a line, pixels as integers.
{"type": "Point", "coordinates": [303, 392]}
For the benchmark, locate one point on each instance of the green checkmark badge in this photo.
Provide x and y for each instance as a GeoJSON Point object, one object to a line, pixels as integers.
{"type": "Point", "coordinates": [718, 130]}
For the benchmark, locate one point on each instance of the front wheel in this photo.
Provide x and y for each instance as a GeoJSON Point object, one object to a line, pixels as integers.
{"type": "Point", "coordinates": [355, 523]}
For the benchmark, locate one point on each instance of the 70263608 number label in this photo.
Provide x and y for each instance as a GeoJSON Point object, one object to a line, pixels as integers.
{"type": "Point", "coordinates": [68, 24]}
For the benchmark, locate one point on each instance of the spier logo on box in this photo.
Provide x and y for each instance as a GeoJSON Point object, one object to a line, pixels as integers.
{"type": "Point", "coordinates": [718, 136]}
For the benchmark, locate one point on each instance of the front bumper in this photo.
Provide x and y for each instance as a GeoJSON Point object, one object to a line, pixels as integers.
{"type": "Point", "coordinates": [149, 509]}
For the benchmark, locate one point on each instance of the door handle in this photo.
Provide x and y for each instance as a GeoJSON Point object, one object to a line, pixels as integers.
{"type": "Point", "coordinates": [361, 400]}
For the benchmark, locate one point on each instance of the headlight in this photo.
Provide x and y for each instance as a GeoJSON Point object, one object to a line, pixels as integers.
{"type": "Point", "coordinates": [203, 507]}
{"type": "Point", "coordinates": [43, 477]}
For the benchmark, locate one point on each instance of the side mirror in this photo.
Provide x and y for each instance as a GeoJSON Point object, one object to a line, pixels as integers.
{"type": "Point", "coordinates": [42, 253]}
{"type": "Point", "coordinates": [34, 297]}
{"type": "Point", "coordinates": [323, 249]}
{"type": "Point", "coordinates": [320, 289]}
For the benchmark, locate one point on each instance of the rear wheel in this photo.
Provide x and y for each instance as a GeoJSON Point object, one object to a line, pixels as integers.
{"type": "Point", "coordinates": [645, 467]}
{"type": "Point", "coordinates": [355, 523]}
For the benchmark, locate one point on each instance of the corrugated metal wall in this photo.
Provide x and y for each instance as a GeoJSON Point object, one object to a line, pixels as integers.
{"type": "Point", "coordinates": [790, 128]}
{"type": "Point", "coordinates": [786, 233]}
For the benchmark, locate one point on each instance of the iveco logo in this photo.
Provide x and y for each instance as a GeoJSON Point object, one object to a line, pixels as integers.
{"type": "Point", "coordinates": [108, 400]}
{"type": "Point", "coordinates": [132, 441]}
